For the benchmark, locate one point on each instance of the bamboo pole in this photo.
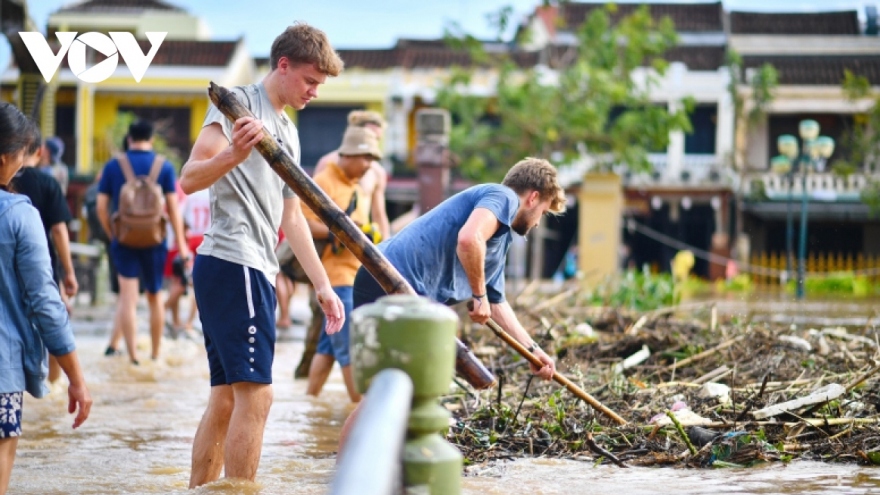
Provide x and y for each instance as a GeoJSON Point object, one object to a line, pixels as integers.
{"type": "Point", "coordinates": [467, 365]}
{"type": "Point", "coordinates": [557, 377]}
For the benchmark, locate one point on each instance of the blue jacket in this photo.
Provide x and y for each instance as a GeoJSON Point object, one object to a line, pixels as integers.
{"type": "Point", "coordinates": [32, 316]}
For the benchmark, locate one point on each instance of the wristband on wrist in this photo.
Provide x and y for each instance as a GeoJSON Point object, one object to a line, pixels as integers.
{"type": "Point", "coordinates": [478, 298]}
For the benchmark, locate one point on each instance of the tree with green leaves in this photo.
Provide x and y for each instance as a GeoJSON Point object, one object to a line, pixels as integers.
{"type": "Point", "coordinates": [761, 84]}
{"type": "Point", "coordinates": [577, 100]}
{"type": "Point", "coordinates": [862, 140]}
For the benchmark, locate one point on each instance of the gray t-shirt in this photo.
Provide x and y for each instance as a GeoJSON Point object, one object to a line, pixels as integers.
{"type": "Point", "coordinates": [424, 252]}
{"type": "Point", "coordinates": [247, 202]}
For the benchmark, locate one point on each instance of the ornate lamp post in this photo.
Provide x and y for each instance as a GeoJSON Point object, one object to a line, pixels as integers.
{"type": "Point", "coordinates": [815, 150]}
{"type": "Point", "coordinates": [782, 166]}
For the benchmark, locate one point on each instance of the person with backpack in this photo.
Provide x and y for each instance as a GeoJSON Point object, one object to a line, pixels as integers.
{"type": "Point", "coordinates": [135, 188]}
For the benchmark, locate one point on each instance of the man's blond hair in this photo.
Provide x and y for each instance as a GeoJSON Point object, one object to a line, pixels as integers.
{"type": "Point", "coordinates": [304, 44]}
{"type": "Point", "coordinates": [536, 174]}
{"type": "Point", "coordinates": [362, 118]}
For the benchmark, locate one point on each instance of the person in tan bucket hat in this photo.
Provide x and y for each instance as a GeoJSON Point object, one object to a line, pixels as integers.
{"type": "Point", "coordinates": [373, 184]}
{"type": "Point", "coordinates": [375, 180]}
{"type": "Point", "coordinates": [359, 149]}
{"type": "Point", "coordinates": [358, 141]}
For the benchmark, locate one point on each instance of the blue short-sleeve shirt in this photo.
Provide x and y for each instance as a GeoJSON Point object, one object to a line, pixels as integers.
{"type": "Point", "coordinates": [112, 178]}
{"type": "Point", "coordinates": [425, 251]}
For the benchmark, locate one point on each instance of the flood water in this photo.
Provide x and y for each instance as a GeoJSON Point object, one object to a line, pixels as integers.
{"type": "Point", "coordinates": [139, 435]}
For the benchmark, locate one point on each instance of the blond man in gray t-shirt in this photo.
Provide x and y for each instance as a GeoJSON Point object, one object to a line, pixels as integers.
{"type": "Point", "coordinates": [235, 268]}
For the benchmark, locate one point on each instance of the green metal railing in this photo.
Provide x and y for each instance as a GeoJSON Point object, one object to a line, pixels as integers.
{"type": "Point", "coordinates": [416, 336]}
{"type": "Point", "coordinates": [371, 461]}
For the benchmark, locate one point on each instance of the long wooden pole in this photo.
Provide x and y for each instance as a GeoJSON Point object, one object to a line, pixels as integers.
{"type": "Point", "coordinates": [558, 378]}
{"type": "Point", "coordinates": [466, 364]}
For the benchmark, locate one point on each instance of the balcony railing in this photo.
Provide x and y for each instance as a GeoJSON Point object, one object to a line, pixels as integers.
{"type": "Point", "coordinates": [819, 186]}
{"type": "Point", "coordinates": [697, 170]}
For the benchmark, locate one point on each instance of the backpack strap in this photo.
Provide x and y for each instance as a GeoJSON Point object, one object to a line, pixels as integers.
{"type": "Point", "coordinates": [156, 168]}
{"type": "Point", "coordinates": [352, 203]}
{"type": "Point", "coordinates": [125, 165]}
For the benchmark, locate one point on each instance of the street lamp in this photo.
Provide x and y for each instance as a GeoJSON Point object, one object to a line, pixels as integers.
{"type": "Point", "coordinates": [782, 165]}
{"type": "Point", "coordinates": [815, 150]}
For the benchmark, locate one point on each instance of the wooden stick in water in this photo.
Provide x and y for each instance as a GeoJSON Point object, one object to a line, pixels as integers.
{"type": "Point", "coordinates": [558, 378]}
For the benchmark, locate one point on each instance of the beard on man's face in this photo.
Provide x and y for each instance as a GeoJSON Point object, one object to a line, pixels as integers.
{"type": "Point", "coordinates": [520, 225]}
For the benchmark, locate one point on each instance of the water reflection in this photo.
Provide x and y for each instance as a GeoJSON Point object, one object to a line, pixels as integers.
{"type": "Point", "coordinates": [551, 477]}
{"type": "Point", "coordinates": [139, 436]}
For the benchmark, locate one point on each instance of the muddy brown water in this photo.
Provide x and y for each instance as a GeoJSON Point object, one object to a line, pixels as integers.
{"type": "Point", "coordinates": [139, 436]}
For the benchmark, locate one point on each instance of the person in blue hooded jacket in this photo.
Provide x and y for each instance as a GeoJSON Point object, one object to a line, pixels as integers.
{"type": "Point", "coordinates": [33, 319]}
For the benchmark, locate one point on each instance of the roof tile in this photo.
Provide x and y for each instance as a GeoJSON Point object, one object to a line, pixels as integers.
{"type": "Point", "coordinates": [820, 23]}
{"type": "Point", "coordinates": [698, 57]}
{"type": "Point", "coordinates": [101, 6]}
{"type": "Point", "coordinates": [183, 52]}
{"type": "Point", "coordinates": [819, 70]}
{"type": "Point", "coordinates": [695, 17]}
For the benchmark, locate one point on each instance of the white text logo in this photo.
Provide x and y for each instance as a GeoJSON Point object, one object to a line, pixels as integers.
{"type": "Point", "coordinates": [118, 43]}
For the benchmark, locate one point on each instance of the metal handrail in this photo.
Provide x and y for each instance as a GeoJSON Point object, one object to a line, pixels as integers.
{"type": "Point", "coordinates": [372, 459]}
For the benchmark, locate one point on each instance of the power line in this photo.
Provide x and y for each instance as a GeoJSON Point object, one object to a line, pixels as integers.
{"type": "Point", "coordinates": [633, 226]}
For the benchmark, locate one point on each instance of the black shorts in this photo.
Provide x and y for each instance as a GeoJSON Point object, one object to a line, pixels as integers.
{"type": "Point", "coordinates": [366, 290]}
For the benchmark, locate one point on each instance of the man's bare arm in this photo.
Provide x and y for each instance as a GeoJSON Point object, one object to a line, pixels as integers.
{"type": "Point", "coordinates": [299, 236]}
{"type": "Point", "coordinates": [213, 155]}
{"type": "Point", "coordinates": [505, 317]}
{"type": "Point", "coordinates": [318, 229]}
{"type": "Point", "coordinates": [481, 225]}
{"type": "Point", "coordinates": [177, 224]}
{"type": "Point", "coordinates": [103, 206]}
{"type": "Point", "coordinates": [61, 240]}
{"type": "Point", "coordinates": [377, 206]}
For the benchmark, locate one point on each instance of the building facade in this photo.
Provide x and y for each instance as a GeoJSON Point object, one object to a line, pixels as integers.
{"type": "Point", "coordinates": [811, 53]}
{"type": "Point", "coordinates": [711, 190]}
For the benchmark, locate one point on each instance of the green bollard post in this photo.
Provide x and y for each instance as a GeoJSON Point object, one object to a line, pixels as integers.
{"type": "Point", "coordinates": [415, 335]}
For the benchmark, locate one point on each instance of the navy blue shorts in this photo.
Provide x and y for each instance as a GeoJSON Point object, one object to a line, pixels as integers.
{"type": "Point", "coordinates": [237, 308]}
{"type": "Point", "coordinates": [147, 264]}
{"type": "Point", "coordinates": [336, 345]}
{"type": "Point", "coordinates": [10, 414]}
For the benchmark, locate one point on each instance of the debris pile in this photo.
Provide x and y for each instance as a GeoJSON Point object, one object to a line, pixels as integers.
{"type": "Point", "coordinates": [697, 388]}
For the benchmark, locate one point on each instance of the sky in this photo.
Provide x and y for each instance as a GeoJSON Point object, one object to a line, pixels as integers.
{"type": "Point", "coordinates": [379, 23]}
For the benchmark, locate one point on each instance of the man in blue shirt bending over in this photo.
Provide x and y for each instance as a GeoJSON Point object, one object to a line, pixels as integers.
{"type": "Point", "coordinates": [457, 251]}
